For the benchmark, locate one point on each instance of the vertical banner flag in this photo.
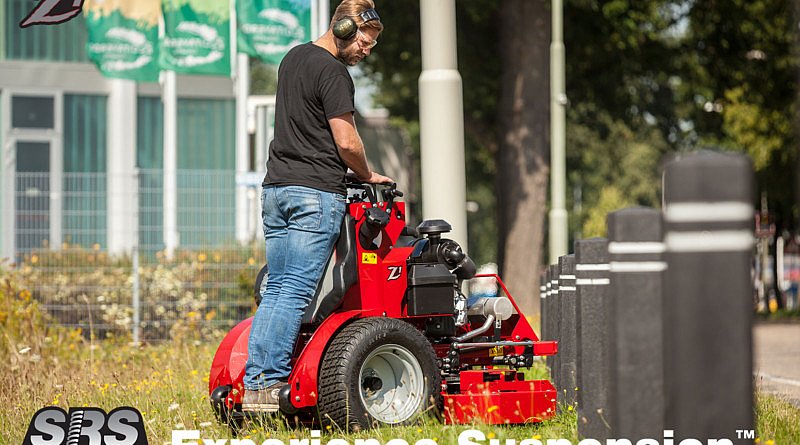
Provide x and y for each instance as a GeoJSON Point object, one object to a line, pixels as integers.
{"type": "Point", "coordinates": [268, 29]}
{"type": "Point", "coordinates": [123, 38]}
{"type": "Point", "coordinates": [196, 37]}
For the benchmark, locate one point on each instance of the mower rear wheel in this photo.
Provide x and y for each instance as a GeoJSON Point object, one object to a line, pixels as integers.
{"type": "Point", "coordinates": [377, 371]}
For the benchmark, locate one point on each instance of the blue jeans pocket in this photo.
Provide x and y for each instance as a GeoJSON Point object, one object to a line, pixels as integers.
{"type": "Point", "coordinates": [304, 208]}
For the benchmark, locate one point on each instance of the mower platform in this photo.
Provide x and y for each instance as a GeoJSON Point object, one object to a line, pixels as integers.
{"type": "Point", "coordinates": [499, 396]}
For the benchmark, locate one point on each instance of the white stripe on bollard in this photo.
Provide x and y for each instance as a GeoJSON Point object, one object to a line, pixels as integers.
{"type": "Point", "coordinates": [590, 267]}
{"type": "Point", "coordinates": [592, 281]}
{"type": "Point", "coordinates": [683, 212]}
{"type": "Point", "coordinates": [710, 241]}
{"type": "Point", "coordinates": [622, 247]}
{"type": "Point", "coordinates": [638, 266]}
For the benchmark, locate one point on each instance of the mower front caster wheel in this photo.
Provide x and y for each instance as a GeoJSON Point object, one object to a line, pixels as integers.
{"type": "Point", "coordinates": [377, 371]}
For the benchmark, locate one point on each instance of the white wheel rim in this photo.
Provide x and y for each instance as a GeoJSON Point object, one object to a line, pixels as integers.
{"type": "Point", "coordinates": [391, 384]}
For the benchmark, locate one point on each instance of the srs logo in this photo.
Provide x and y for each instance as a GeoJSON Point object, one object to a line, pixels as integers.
{"type": "Point", "coordinates": [86, 426]}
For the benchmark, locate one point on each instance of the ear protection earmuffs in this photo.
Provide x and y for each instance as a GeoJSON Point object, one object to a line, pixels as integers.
{"type": "Point", "coordinates": [346, 28]}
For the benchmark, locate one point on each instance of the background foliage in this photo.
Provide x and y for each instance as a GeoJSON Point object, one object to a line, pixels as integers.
{"type": "Point", "coordinates": [644, 78]}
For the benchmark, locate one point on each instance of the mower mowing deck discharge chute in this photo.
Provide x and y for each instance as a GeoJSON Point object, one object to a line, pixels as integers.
{"type": "Point", "coordinates": [394, 337]}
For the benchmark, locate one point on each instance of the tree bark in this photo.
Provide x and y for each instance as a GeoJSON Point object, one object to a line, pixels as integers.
{"type": "Point", "coordinates": [523, 154]}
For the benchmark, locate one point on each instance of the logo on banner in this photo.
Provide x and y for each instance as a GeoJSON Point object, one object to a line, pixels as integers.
{"type": "Point", "coordinates": [130, 48]}
{"type": "Point", "coordinates": [86, 426]}
{"type": "Point", "coordinates": [195, 44]}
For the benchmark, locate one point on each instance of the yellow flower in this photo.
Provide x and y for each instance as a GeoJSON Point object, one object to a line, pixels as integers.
{"type": "Point", "coordinates": [202, 257]}
{"type": "Point", "coordinates": [491, 436]}
{"type": "Point", "coordinates": [492, 409]}
{"type": "Point", "coordinates": [25, 295]}
{"type": "Point", "coordinates": [194, 372]}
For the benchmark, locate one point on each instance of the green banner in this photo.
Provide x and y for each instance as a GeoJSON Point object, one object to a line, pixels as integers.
{"type": "Point", "coordinates": [122, 38]}
{"type": "Point", "coordinates": [196, 37]}
{"type": "Point", "coordinates": [268, 29]}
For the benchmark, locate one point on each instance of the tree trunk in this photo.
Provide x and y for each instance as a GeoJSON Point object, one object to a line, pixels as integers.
{"type": "Point", "coordinates": [523, 154]}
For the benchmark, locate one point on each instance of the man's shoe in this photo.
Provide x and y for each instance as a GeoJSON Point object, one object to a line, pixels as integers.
{"type": "Point", "coordinates": [262, 400]}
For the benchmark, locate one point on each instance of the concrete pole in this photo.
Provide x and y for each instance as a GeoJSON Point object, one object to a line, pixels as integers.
{"type": "Point", "coordinates": [122, 222]}
{"type": "Point", "coordinates": [170, 169]}
{"type": "Point", "coordinates": [558, 171]}
{"type": "Point", "coordinates": [441, 118]}
{"type": "Point", "coordinates": [242, 146]}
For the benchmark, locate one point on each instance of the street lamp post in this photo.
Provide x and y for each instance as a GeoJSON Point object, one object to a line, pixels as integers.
{"type": "Point", "coordinates": [558, 102]}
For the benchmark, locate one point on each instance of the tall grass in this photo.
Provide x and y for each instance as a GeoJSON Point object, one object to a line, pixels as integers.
{"type": "Point", "coordinates": [44, 365]}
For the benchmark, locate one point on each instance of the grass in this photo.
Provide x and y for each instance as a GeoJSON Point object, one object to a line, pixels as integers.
{"type": "Point", "coordinates": [168, 384]}
{"type": "Point", "coordinates": [44, 365]}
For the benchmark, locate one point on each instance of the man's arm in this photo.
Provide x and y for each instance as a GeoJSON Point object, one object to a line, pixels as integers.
{"type": "Point", "coordinates": [351, 149]}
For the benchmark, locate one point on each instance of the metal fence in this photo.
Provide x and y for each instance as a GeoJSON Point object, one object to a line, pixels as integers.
{"type": "Point", "coordinates": [65, 253]}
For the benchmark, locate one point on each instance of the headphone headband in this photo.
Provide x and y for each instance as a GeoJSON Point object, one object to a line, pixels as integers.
{"type": "Point", "coordinates": [369, 15]}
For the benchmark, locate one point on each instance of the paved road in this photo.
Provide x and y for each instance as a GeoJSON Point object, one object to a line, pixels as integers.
{"type": "Point", "coordinates": [776, 359]}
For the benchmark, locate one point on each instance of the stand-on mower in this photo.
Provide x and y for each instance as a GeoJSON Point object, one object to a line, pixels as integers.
{"type": "Point", "coordinates": [395, 338]}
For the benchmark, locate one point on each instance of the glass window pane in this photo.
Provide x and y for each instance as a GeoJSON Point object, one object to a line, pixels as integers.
{"type": "Point", "coordinates": [32, 112]}
{"type": "Point", "coordinates": [32, 207]}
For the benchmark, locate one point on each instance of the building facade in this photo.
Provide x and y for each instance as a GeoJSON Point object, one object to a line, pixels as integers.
{"type": "Point", "coordinates": [82, 155]}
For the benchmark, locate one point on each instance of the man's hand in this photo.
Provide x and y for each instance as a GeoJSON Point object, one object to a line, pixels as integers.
{"type": "Point", "coordinates": [377, 178]}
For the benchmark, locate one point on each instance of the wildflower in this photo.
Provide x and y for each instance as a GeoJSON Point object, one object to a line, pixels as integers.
{"type": "Point", "coordinates": [194, 372]}
{"type": "Point", "coordinates": [205, 424]}
{"type": "Point", "coordinates": [24, 350]}
{"type": "Point", "coordinates": [491, 435]}
{"type": "Point", "coordinates": [173, 406]}
{"type": "Point", "coordinates": [492, 409]}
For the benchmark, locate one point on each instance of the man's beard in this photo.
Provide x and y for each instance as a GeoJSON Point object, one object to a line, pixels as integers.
{"type": "Point", "coordinates": [350, 58]}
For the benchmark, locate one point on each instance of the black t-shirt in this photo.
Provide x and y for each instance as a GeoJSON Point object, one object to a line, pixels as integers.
{"type": "Point", "coordinates": [313, 86]}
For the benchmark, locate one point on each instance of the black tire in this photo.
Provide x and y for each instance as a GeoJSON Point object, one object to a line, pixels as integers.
{"type": "Point", "coordinates": [377, 371]}
{"type": "Point", "coordinates": [260, 279]}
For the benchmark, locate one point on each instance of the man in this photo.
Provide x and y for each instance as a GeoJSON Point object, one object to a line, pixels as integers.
{"type": "Point", "coordinates": [303, 197]}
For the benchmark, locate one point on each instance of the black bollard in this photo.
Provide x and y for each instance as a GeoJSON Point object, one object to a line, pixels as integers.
{"type": "Point", "coordinates": [708, 297]}
{"type": "Point", "coordinates": [592, 281]}
{"type": "Point", "coordinates": [567, 346]}
{"type": "Point", "coordinates": [543, 307]}
{"type": "Point", "coordinates": [555, 319]}
{"type": "Point", "coordinates": [636, 250]}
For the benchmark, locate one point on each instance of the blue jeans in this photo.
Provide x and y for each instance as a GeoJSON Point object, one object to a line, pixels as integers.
{"type": "Point", "coordinates": [301, 226]}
